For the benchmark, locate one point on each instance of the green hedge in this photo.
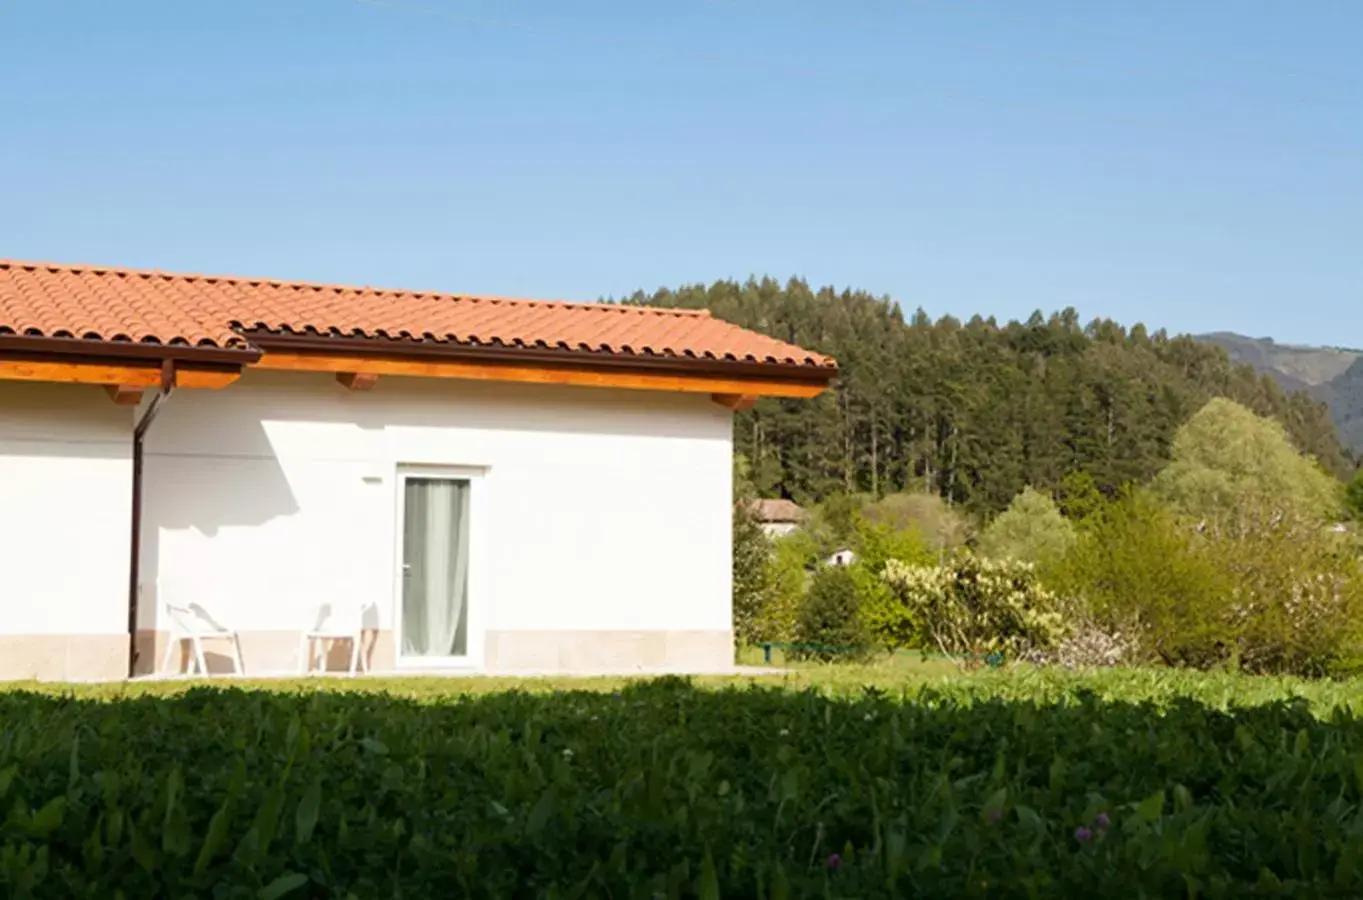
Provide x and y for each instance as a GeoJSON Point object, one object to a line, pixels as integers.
{"type": "Point", "coordinates": [666, 790]}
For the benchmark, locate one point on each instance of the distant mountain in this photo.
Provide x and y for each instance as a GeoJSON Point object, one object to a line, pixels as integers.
{"type": "Point", "coordinates": [1331, 374]}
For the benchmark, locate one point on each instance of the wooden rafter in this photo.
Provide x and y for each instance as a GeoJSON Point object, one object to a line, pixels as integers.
{"type": "Point", "coordinates": [357, 381]}
{"type": "Point", "coordinates": [123, 394]}
{"type": "Point", "coordinates": [736, 402]}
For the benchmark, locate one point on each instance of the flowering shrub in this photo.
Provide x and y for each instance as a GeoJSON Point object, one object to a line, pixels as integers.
{"type": "Point", "coordinates": [1092, 645]}
{"type": "Point", "coordinates": [972, 608]}
{"type": "Point", "coordinates": [1296, 604]}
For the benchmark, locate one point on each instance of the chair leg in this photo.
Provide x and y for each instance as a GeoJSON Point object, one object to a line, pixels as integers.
{"type": "Point", "coordinates": [199, 656]}
{"type": "Point", "coordinates": [170, 648]}
{"type": "Point", "coordinates": [354, 654]}
{"type": "Point", "coordinates": [236, 653]}
{"type": "Point", "coordinates": [304, 652]}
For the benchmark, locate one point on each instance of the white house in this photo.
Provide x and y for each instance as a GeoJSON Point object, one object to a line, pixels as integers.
{"type": "Point", "coordinates": [843, 557]}
{"type": "Point", "coordinates": [778, 518]}
{"type": "Point", "coordinates": [463, 472]}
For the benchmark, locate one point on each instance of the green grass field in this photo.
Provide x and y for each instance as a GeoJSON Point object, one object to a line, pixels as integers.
{"type": "Point", "coordinates": [902, 778]}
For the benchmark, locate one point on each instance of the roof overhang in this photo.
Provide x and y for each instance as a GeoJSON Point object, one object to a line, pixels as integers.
{"type": "Point", "coordinates": [360, 361]}
{"type": "Point", "coordinates": [301, 353]}
{"type": "Point", "coordinates": [119, 364]}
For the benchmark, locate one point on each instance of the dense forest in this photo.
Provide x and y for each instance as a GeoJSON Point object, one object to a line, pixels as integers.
{"type": "Point", "coordinates": [976, 411]}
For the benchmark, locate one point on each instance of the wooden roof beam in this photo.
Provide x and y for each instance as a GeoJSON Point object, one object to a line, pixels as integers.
{"type": "Point", "coordinates": [736, 402]}
{"type": "Point", "coordinates": [124, 394]}
{"type": "Point", "coordinates": [357, 381]}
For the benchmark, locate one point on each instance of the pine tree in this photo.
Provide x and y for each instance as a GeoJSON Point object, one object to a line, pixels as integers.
{"type": "Point", "coordinates": [975, 412]}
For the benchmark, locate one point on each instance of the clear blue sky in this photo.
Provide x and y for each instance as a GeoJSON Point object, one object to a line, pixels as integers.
{"type": "Point", "coordinates": [1194, 164]}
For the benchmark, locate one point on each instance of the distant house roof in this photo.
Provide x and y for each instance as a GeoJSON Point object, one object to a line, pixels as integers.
{"type": "Point", "coordinates": [778, 511]}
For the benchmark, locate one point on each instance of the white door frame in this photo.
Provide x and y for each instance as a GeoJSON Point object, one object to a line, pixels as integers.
{"type": "Point", "coordinates": [475, 476]}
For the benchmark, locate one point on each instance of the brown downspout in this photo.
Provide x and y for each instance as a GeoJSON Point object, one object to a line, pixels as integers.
{"type": "Point", "coordinates": [134, 566]}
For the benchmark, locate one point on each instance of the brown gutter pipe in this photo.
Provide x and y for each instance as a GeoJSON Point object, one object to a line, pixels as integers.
{"type": "Point", "coordinates": [135, 562]}
{"type": "Point", "coordinates": [145, 352]}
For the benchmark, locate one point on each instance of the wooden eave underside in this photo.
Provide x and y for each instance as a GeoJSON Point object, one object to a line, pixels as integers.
{"type": "Point", "coordinates": [634, 379]}
{"type": "Point", "coordinates": [115, 374]}
{"type": "Point", "coordinates": [360, 372]}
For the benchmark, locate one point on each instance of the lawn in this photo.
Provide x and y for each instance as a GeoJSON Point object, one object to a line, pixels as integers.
{"type": "Point", "coordinates": [897, 779]}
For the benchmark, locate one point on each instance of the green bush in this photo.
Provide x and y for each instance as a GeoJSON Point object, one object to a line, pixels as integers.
{"type": "Point", "coordinates": [793, 557]}
{"type": "Point", "coordinates": [1296, 601]}
{"type": "Point", "coordinates": [1257, 588]}
{"type": "Point", "coordinates": [1137, 571]}
{"type": "Point", "coordinates": [1079, 496]}
{"type": "Point", "coordinates": [830, 625]}
{"type": "Point", "coordinates": [972, 608]}
{"type": "Point", "coordinates": [888, 622]}
{"type": "Point", "coordinates": [1353, 497]}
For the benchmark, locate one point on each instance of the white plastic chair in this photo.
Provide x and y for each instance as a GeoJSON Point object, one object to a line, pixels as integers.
{"type": "Point", "coordinates": [191, 622]}
{"type": "Point", "coordinates": [333, 622]}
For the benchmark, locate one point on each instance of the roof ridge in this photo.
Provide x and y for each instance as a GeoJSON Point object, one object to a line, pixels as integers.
{"type": "Point", "coordinates": [78, 268]}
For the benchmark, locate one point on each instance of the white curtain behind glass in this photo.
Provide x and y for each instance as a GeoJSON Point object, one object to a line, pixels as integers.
{"type": "Point", "coordinates": [435, 551]}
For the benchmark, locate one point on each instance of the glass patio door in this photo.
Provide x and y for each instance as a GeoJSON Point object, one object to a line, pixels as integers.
{"type": "Point", "coordinates": [435, 568]}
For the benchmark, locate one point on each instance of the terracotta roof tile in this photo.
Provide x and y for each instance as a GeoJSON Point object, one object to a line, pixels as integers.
{"type": "Point", "coordinates": [777, 511]}
{"type": "Point", "coordinates": [125, 305]}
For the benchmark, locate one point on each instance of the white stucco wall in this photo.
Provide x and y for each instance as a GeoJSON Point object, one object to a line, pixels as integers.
{"type": "Point", "coordinates": [65, 507]}
{"type": "Point", "coordinates": [779, 529]}
{"type": "Point", "coordinates": [596, 510]}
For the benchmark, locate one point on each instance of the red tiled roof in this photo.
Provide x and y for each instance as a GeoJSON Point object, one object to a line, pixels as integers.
{"type": "Point", "coordinates": [91, 303]}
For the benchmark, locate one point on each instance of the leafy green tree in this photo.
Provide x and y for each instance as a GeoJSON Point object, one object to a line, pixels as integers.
{"type": "Point", "coordinates": [836, 520]}
{"type": "Point", "coordinates": [1353, 497]}
{"type": "Point", "coordinates": [1031, 530]}
{"type": "Point", "coordinates": [1227, 461]}
{"type": "Point", "coordinates": [1079, 496]}
{"type": "Point", "coordinates": [887, 621]}
{"type": "Point", "coordinates": [830, 625]}
{"type": "Point", "coordinates": [751, 558]}
{"type": "Point", "coordinates": [941, 527]}
{"type": "Point", "coordinates": [794, 557]}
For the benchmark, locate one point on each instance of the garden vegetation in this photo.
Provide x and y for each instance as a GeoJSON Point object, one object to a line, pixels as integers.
{"type": "Point", "coordinates": [1241, 552]}
{"type": "Point", "coordinates": [1033, 784]}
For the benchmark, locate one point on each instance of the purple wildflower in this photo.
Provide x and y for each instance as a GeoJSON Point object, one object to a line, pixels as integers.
{"type": "Point", "coordinates": [1082, 834]}
{"type": "Point", "coordinates": [1102, 821]}
{"type": "Point", "coordinates": [834, 861]}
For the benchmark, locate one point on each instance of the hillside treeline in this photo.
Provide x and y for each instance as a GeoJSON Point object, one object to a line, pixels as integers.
{"type": "Point", "coordinates": [976, 411]}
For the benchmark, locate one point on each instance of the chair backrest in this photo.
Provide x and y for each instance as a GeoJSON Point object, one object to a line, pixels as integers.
{"type": "Point", "coordinates": [192, 619]}
{"type": "Point", "coordinates": [185, 616]}
{"type": "Point", "coordinates": [339, 616]}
